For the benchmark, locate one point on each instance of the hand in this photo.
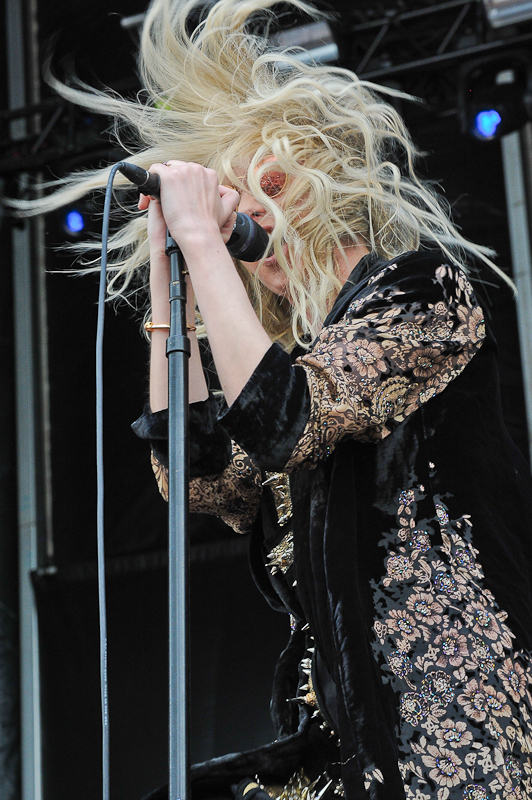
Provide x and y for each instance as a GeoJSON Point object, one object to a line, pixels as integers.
{"type": "Point", "coordinates": [227, 228]}
{"type": "Point", "coordinates": [194, 205]}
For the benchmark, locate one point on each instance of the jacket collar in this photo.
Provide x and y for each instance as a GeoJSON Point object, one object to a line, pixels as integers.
{"type": "Point", "coordinates": [366, 267]}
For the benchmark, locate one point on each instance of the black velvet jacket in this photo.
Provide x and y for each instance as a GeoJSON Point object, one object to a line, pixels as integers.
{"type": "Point", "coordinates": [410, 534]}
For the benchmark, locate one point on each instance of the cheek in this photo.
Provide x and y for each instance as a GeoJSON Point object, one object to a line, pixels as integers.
{"type": "Point", "coordinates": [251, 267]}
{"type": "Point", "coordinates": [272, 276]}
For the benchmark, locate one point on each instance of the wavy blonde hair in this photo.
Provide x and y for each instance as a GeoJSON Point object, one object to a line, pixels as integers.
{"type": "Point", "coordinates": [221, 97]}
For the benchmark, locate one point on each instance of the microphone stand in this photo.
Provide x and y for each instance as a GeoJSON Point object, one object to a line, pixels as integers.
{"type": "Point", "coordinates": [178, 353]}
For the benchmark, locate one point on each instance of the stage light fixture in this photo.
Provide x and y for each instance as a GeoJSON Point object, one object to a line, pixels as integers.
{"type": "Point", "coordinates": [74, 221]}
{"type": "Point", "coordinates": [507, 12]}
{"type": "Point", "coordinates": [486, 124]}
{"type": "Point", "coordinates": [495, 95]}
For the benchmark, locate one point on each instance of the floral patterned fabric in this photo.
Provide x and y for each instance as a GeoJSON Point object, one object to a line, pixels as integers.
{"type": "Point", "coordinates": [385, 358]}
{"type": "Point", "coordinates": [443, 643]}
{"type": "Point", "coordinates": [234, 494]}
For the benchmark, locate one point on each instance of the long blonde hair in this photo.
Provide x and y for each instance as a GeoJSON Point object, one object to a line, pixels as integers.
{"type": "Point", "coordinates": [220, 96]}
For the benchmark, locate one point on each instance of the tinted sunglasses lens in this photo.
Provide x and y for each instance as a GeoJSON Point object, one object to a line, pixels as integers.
{"type": "Point", "coordinates": [273, 183]}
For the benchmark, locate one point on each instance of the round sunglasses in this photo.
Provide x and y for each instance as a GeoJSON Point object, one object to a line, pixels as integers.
{"type": "Point", "coordinates": [272, 183]}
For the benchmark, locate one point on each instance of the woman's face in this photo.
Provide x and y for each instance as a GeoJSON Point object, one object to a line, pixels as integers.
{"type": "Point", "coordinates": [273, 184]}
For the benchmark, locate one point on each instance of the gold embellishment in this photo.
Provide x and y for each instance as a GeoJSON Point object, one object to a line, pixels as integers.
{"type": "Point", "coordinates": [282, 555]}
{"type": "Point", "coordinates": [300, 787]}
{"type": "Point", "coordinates": [309, 696]}
{"type": "Point", "coordinates": [306, 691]}
{"type": "Point", "coordinates": [311, 699]}
{"type": "Point", "coordinates": [279, 483]}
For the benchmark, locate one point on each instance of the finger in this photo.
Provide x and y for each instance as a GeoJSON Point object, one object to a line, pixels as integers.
{"type": "Point", "coordinates": [155, 208]}
{"type": "Point", "coordinates": [229, 223]}
{"type": "Point", "coordinates": [173, 163]}
{"type": "Point", "coordinates": [172, 170]}
{"type": "Point", "coordinates": [144, 202]}
{"type": "Point", "coordinates": [230, 198]}
{"type": "Point", "coordinates": [161, 167]}
{"type": "Point", "coordinates": [158, 168]}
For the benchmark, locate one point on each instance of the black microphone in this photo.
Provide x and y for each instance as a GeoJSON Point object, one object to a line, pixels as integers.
{"type": "Point", "coordinates": [248, 242]}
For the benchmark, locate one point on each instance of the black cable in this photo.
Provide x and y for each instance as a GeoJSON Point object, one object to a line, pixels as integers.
{"type": "Point", "coordinates": [100, 489]}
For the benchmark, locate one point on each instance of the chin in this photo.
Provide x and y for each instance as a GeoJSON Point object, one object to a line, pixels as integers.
{"type": "Point", "coordinates": [277, 287]}
{"type": "Point", "coordinates": [282, 292]}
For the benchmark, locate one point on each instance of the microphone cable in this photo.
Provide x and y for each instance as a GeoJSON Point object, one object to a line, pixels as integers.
{"type": "Point", "coordinates": [104, 691]}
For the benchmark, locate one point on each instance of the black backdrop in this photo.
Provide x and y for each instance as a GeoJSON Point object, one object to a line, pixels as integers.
{"type": "Point", "coordinates": [234, 644]}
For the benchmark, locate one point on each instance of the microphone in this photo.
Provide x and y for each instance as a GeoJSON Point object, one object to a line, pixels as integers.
{"type": "Point", "coordinates": [248, 242]}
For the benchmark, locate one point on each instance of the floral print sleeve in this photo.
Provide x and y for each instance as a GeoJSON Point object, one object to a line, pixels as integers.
{"type": "Point", "coordinates": [233, 494]}
{"type": "Point", "coordinates": [225, 480]}
{"type": "Point", "coordinates": [402, 340]}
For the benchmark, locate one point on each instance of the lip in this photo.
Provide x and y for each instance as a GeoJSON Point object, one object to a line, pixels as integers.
{"type": "Point", "coordinates": [272, 258]}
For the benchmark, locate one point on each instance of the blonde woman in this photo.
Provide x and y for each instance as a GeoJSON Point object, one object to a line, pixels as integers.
{"type": "Point", "coordinates": [360, 440]}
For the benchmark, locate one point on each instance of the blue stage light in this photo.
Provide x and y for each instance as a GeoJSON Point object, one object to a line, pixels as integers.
{"type": "Point", "coordinates": [486, 124]}
{"type": "Point", "coordinates": [74, 221]}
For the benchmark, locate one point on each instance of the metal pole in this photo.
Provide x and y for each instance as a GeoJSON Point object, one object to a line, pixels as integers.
{"type": "Point", "coordinates": [34, 495]}
{"type": "Point", "coordinates": [9, 616]}
{"type": "Point", "coordinates": [519, 228]}
{"type": "Point", "coordinates": [29, 510]}
{"type": "Point", "coordinates": [178, 352]}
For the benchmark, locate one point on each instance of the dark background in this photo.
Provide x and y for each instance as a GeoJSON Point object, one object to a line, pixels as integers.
{"type": "Point", "coordinates": [235, 636]}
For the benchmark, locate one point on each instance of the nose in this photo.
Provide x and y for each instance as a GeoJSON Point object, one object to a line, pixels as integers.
{"type": "Point", "coordinates": [249, 205]}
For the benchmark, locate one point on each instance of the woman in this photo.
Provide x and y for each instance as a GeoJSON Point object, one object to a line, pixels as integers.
{"type": "Point", "coordinates": [364, 448]}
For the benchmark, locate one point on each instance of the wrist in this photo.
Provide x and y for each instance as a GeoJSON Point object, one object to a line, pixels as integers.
{"type": "Point", "coordinates": [200, 238]}
{"type": "Point", "coordinates": [160, 315]}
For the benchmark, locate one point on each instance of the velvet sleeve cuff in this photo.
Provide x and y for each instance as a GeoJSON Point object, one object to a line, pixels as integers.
{"type": "Point", "coordinates": [271, 411]}
{"type": "Point", "coordinates": [209, 444]}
